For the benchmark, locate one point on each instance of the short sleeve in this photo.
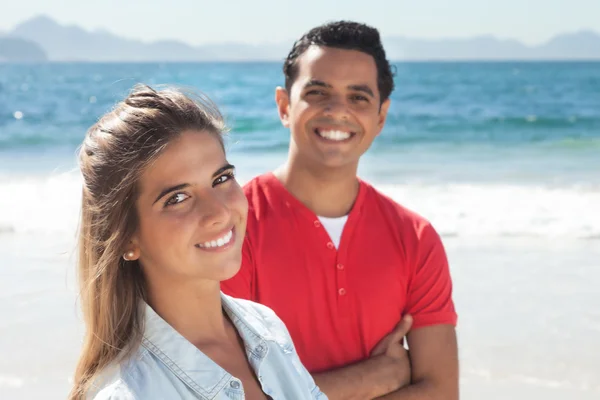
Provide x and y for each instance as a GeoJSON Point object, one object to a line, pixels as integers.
{"type": "Point", "coordinates": [429, 299]}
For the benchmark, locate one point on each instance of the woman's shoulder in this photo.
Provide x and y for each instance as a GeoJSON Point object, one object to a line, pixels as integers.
{"type": "Point", "coordinates": [260, 319]}
{"type": "Point", "coordinates": [256, 309]}
{"type": "Point", "coordinates": [119, 380]}
{"type": "Point", "coordinates": [115, 390]}
{"type": "Point", "coordinates": [110, 384]}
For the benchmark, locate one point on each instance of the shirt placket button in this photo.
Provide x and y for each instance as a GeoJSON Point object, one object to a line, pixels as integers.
{"type": "Point", "coordinates": [261, 350]}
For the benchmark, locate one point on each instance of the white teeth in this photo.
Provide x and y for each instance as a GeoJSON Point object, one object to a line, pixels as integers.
{"type": "Point", "coordinates": [334, 135]}
{"type": "Point", "coordinates": [222, 241]}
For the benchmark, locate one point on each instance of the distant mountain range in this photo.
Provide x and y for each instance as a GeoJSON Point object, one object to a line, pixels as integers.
{"type": "Point", "coordinates": [72, 43]}
{"type": "Point", "coordinates": [21, 50]}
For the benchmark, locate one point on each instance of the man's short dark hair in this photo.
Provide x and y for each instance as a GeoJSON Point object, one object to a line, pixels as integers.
{"type": "Point", "coordinates": [345, 35]}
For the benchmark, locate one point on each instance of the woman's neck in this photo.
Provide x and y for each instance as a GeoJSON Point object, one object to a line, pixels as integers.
{"type": "Point", "coordinates": [193, 309]}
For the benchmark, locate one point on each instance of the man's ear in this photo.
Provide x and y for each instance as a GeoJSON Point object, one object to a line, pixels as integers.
{"type": "Point", "coordinates": [282, 99]}
{"type": "Point", "coordinates": [383, 110]}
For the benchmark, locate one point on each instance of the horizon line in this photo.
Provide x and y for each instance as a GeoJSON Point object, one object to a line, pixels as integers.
{"type": "Point", "coordinates": [442, 38]}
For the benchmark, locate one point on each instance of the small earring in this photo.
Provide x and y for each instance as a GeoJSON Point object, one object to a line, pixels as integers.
{"type": "Point", "coordinates": [129, 255]}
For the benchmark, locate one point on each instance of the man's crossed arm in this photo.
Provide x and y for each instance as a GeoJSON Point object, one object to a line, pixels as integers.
{"type": "Point", "coordinates": [428, 371]}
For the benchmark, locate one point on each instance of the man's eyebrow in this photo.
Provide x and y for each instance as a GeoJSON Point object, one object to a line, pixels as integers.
{"type": "Point", "coordinates": [362, 88]}
{"type": "Point", "coordinates": [317, 82]}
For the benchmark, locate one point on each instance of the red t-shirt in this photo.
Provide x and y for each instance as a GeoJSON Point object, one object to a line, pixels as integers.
{"type": "Point", "coordinates": [339, 303]}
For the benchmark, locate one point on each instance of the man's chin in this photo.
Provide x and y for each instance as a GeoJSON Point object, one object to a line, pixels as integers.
{"type": "Point", "coordinates": [335, 158]}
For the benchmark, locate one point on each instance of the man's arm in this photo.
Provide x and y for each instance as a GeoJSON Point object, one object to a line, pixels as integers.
{"type": "Point", "coordinates": [361, 381]}
{"type": "Point", "coordinates": [432, 343]}
{"type": "Point", "coordinates": [434, 365]}
{"type": "Point", "coordinates": [431, 374]}
{"type": "Point", "coordinates": [385, 371]}
{"type": "Point", "coordinates": [432, 340]}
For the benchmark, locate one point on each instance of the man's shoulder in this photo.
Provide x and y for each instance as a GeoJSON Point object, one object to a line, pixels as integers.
{"type": "Point", "coordinates": [379, 201]}
{"type": "Point", "coordinates": [265, 195]}
{"type": "Point", "coordinates": [259, 184]}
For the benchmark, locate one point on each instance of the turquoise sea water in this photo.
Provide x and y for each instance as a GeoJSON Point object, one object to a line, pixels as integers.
{"type": "Point", "coordinates": [498, 148]}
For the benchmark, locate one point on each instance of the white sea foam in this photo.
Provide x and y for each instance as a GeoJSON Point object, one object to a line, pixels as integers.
{"type": "Point", "coordinates": [40, 204]}
{"type": "Point", "coordinates": [51, 204]}
{"type": "Point", "coordinates": [467, 210]}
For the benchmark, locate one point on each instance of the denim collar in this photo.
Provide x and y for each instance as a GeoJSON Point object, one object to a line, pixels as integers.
{"type": "Point", "coordinates": [189, 364]}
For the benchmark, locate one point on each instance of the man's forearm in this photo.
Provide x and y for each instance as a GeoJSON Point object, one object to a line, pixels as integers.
{"type": "Point", "coordinates": [365, 380]}
{"type": "Point", "coordinates": [434, 365]}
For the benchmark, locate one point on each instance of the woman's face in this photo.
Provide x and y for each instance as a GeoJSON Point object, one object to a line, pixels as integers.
{"type": "Point", "coordinates": [191, 212]}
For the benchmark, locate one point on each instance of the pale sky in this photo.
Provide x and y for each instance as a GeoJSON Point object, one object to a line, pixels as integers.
{"type": "Point", "coordinates": [254, 21]}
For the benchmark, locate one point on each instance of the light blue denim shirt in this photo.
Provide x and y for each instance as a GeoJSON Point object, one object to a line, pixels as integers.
{"type": "Point", "coordinates": [167, 366]}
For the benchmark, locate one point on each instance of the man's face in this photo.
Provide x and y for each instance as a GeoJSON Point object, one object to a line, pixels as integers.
{"type": "Point", "coordinates": [333, 108]}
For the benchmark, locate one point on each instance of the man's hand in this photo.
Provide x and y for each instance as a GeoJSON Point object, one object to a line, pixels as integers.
{"type": "Point", "coordinates": [391, 347]}
{"type": "Point", "coordinates": [387, 344]}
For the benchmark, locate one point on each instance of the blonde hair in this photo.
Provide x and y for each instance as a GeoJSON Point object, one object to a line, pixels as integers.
{"type": "Point", "coordinates": [114, 153]}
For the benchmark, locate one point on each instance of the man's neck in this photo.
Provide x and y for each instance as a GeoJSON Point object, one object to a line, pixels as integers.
{"type": "Point", "coordinates": [326, 192]}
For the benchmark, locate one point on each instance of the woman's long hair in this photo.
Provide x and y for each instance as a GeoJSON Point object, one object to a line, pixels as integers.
{"type": "Point", "coordinates": [113, 155]}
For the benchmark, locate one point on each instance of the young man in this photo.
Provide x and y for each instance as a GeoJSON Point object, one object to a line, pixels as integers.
{"type": "Point", "coordinates": [345, 267]}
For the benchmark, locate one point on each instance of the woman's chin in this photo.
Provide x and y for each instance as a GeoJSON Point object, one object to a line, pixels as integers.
{"type": "Point", "coordinates": [229, 271]}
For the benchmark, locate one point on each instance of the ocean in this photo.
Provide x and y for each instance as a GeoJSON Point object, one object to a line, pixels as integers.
{"type": "Point", "coordinates": [502, 157]}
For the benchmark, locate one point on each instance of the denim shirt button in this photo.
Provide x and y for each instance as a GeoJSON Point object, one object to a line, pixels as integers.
{"type": "Point", "coordinates": [234, 384]}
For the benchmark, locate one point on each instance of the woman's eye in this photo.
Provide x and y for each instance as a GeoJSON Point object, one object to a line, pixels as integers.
{"type": "Point", "coordinates": [176, 199]}
{"type": "Point", "coordinates": [223, 178]}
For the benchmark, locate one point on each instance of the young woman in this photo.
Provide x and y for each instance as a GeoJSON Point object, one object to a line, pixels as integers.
{"type": "Point", "coordinates": [163, 222]}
